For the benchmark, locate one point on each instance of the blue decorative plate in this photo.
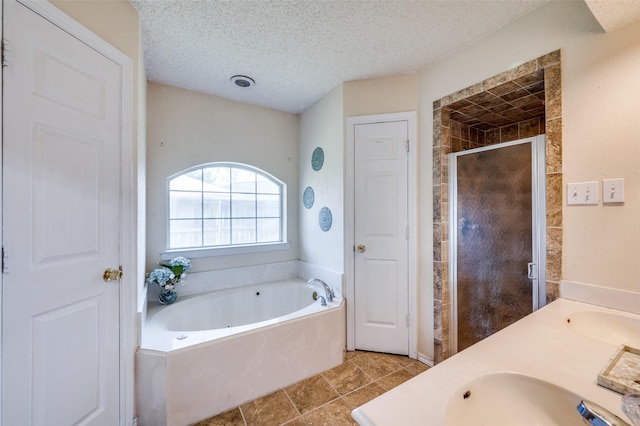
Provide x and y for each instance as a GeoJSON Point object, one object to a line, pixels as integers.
{"type": "Point", "coordinates": [325, 219]}
{"type": "Point", "coordinates": [308, 197]}
{"type": "Point", "coordinates": [317, 159]}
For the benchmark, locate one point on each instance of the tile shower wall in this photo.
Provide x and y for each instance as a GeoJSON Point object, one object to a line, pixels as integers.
{"type": "Point", "coordinates": [464, 137]}
{"type": "Point", "coordinates": [461, 132]}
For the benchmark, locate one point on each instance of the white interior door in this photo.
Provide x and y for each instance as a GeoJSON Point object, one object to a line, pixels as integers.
{"type": "Point", "coordinates": [381, 233]}
{"type": "Point", "coordinates": [61, 222]}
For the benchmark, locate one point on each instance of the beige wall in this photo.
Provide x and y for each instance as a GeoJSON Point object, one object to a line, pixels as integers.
{"type": "Point", "coordinates": [601, 132]}
{"type": "Point", "coordinates": [322, 125]}
{"type": "Point", "coordinates": [381, 95]}
{"type": "Point", "coordinates": [186, 129]}
{"type": "Point", "coordinates": [601, 121]}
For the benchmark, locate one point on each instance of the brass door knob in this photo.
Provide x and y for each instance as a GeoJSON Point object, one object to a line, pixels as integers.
{"type": "Point", "coordinates": [112, 274]}
{"type": "Point", "coordinates": [362, 248]}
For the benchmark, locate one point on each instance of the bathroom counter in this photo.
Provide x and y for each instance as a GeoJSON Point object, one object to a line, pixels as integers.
{"type": "Point", "coordinates": [542, 345]}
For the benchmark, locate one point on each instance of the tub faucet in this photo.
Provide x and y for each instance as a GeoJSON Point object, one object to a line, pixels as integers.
{"type": "Point", "coordinates": [327, 289]}
{"type": "Point", "coordinates": [593, 414]}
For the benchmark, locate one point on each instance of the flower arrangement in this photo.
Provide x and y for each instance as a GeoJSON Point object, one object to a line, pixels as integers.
{"type": "Point", "coordinates": [168, 275]}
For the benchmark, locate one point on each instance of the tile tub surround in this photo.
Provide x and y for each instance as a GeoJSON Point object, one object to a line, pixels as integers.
{"type": "Point", "coordinates": [481, 117]}
{"type": "Point", "coordinates": [540, 345]}
{"type": "Point", "coordinates": [327, 398]}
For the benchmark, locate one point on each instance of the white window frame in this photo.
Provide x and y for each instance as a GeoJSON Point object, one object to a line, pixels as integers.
{"type": "Point", "coordinates": [206, 251]}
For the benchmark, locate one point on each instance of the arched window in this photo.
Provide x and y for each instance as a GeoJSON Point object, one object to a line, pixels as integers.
{"type": "Point", "coordinates": [225, 204]}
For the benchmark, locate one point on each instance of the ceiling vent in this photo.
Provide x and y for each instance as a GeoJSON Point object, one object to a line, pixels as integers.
{"type": "Point", "coordinates": [242, 81]}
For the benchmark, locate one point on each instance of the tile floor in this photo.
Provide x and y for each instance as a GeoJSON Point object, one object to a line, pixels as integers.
{"type": "Point", "coordinates": [328, 398]}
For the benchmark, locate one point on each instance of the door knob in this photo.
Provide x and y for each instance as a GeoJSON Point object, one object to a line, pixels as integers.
{"type": "Point", "coordinates": [362, 248]}
{"type": "Point", "coordinates": [112, 274]}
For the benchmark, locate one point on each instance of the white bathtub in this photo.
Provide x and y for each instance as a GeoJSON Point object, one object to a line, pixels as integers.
{"type": "Point", "coordinates": [208, 353]}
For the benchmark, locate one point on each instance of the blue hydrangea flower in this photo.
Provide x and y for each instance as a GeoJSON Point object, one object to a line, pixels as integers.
{"type": "Point", "coordinates": [170, 273]}
{"type": "Point", "coordinates": [179, 265]}
{"type": "Point", "coordinates": [161, 276]}
{"type": "Point", "coordinates": [181, 261]}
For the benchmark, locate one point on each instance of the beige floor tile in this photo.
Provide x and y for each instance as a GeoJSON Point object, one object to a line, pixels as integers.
{"type": "Point", "coordinates": [346, 377]}
{"type": "Point", "coordinates": [376, 365]}
{"type": "Point", "coordinates": [299, 421]}
{"type": "Point", "coordinates": [228, 418]}
{"type": "Point", "coordinates": [311, 393]}
{"type": "Point", "coordinates": [363, 395]}
{"type": "Point", "coordinates": [316, 398]}
{"type": "Point", "coordinates": [336, 413]}
{"type": "Point", "coordinates": [400, 359]}
{"type": "Point", "coordinates": [348, 355]}
{"type": "Point", "coordinates": [394, 379]}
{"type": "Point", "coordinates": [271, 410]}
{"type": "Point", "coordinates": [415, 367]}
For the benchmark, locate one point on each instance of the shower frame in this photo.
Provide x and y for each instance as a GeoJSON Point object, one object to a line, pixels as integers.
{"type": "Point", "coordinates": [538, 222]}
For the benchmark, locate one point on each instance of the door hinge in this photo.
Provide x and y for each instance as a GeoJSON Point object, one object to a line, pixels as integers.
{"type": "Point", "coordinates": [407, 145]}
{"type": "Point", "coordinates": [5, 261]}
{"type": "Point", "coordinates": [408, 320]}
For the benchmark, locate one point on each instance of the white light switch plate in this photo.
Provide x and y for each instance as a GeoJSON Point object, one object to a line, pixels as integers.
{"type": "Point", "coordinates": [582, 194]}
{"type": "Point", "coordinates": [613, 191]}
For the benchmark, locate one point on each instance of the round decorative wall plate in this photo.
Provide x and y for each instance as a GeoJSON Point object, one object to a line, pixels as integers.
{"type": "Point", "coordinates": [317, 159]}
{"type": "Point", "coordinates": [308, 197]}
{"type": "Point", "coordinates": [325, 219]}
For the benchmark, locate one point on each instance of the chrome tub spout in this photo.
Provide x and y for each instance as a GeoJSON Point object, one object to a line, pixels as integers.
{"type": "Point", "coordinates": [327, 289]}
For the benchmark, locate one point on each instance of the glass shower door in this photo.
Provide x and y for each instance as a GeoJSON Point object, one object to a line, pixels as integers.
{"type": "Point", "coordinates": [494, 255]}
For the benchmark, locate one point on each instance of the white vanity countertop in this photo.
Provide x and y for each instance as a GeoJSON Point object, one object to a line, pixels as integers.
{"type": "Point", "coordinates": [542, 345]}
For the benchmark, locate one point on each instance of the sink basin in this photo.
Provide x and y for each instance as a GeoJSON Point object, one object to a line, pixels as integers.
{"type": "Point", "coordinates": [606, 327]}
{"type": "Point", "coordinates": [512, 399]}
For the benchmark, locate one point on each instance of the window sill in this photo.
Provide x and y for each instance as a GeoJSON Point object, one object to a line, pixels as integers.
{"type": "Point", "coordinates": [222, 251]}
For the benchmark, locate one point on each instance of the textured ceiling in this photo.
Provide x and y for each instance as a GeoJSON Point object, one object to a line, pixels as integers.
{"type": "Point", "coordinates": [299, 50]}
{"type": "Point", "coordinates": [614, 14]}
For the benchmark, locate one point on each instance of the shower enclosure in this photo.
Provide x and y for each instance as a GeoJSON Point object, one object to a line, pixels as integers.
{"type": "Point", "coordinates": [497, 253]}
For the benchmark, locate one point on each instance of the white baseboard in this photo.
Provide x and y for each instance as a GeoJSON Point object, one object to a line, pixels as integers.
{"type": "Point", "coordinates": [425, 360]}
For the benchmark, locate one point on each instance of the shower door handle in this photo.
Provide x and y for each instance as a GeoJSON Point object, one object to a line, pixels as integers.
{"type": "Point", "coordinates": [532, 271]}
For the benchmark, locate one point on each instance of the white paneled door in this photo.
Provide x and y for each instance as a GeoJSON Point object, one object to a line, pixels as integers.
{"type": "Point", "coordinates": [381, 237]}
{"type": "Point", "coordinates": [61, 222]}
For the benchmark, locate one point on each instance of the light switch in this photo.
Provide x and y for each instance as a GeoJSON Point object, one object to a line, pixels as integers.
{"type": "Point", "coordinates": [583, 193]}
{"type": "Point", "coordinates": [613, 191]}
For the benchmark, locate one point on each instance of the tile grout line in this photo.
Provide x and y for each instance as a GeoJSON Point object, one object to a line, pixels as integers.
{"type": "Point", "coordinates": [244, 420]}
{"type": "Point", "coordinates": [393, 372]}
{"type": "Point", "coordinates": [374, 381]}
{"type": "Point", "coordinates": [295, 407]}
{"type": "Point", "coordinates": [355, 366]}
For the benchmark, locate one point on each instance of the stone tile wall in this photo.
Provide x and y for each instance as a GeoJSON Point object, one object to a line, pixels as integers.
{"type": "Point", "coordinates": [451, 136]}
